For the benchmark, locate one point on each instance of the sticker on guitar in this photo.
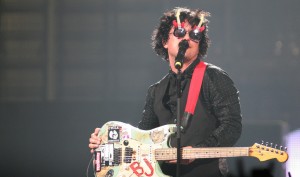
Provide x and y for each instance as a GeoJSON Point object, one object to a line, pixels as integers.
{"type": "Point", "coordinates": [114, 134]}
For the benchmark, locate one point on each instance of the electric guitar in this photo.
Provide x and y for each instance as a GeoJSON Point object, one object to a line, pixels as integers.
{"type": "Point", "coordinates": [128, 151]}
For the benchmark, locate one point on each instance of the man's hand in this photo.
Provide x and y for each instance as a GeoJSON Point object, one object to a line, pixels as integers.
{"type": "Point", "coordinates": [183, 161]}
{"type": "Point", "coordinates": [94, 140]}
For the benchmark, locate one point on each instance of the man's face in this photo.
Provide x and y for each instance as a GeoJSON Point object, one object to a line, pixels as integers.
{"type": "Point", "coordinates": [172, 45]}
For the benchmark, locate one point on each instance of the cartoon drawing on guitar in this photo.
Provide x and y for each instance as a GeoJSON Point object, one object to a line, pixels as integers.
{"type": "Point", "coordinates": [128, 151]}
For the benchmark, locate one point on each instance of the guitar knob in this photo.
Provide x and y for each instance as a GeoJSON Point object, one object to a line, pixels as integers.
{"type": "Point", "coordinates": [281, 148]}
{"type": "Point", "coordinates": [267, 143]}
{"type": "Point", "coordinates": [285, 149]}
{"type": "Point", "coordinates": [271, 145]}
{"type": "Point", "coordinates": [262, 142]}
{"type": "Point", "coordinates": [126, 142]}
{"type": "Point", "coordinates": [275, 146]}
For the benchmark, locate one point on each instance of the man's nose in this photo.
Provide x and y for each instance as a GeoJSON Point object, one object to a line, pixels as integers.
{"type": "Point", "coordinates": [186, 36]}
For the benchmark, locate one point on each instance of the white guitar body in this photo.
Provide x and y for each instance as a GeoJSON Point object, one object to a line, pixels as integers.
{"type": "Point", "coordinates": [126, 151]}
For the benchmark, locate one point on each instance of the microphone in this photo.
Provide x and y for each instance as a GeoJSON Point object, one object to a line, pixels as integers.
{"type": "Point", "coordinates": [183, 45]}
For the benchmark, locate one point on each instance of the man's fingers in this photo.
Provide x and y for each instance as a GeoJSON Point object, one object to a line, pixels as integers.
{"type": "Point", "coordinates": [95, 141]}
{"type": "Point", "coordinates": [183, 161]}
{"type": "Point", "coordinates": [95, 133]}
{"type": "Point", "coordinates": [97, 130]}
{"type": "Point", "coordinates": [93, 146]}
{"type": "Point", "coordinates": [172, 161]}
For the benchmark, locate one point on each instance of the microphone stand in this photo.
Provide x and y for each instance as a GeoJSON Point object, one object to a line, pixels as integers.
{"type": "Point", "coordinates": [183, 45]}
{"type": "Point", "coordinates": [178, 122]}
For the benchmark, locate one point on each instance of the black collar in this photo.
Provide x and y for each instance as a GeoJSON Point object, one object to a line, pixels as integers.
{"type": "Point", "coordinates": [188, 72]}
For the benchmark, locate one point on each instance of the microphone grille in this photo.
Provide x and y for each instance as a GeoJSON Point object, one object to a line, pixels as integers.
{"type": "Point", "coordinates": [184, 44]}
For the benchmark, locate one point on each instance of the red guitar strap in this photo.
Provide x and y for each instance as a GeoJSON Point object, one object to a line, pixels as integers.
{"type": "Point", "coordinates": [194, 92]}
{"type": "Point", "coordinates": [195, 87]}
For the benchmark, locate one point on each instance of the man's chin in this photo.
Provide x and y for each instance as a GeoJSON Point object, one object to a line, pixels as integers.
{"type": "Point", "coordinates": [189, 58]}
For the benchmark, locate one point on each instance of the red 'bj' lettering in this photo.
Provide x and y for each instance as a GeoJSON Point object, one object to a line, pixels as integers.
{"type": "Point", "coordinates": [150, 167]}
{"type": "Point", "coordinates": [136, 168]}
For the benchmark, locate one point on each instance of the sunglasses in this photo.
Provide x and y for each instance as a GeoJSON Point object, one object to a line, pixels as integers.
{"type": "Point", "coordinates": [195, 34]}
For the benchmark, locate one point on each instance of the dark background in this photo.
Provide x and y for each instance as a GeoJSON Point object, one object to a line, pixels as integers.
{"type": "Point", "coordinates": [68, 66]}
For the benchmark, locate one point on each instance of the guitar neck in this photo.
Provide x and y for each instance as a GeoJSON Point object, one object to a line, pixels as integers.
{"type": "Point", "coordinates": [196, 153]}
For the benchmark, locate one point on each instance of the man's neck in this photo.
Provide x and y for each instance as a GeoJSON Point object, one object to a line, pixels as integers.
{"type": "Point", "coordinates": [185, 65]}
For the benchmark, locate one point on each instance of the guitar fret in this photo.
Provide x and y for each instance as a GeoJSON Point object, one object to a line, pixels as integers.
{"type": "Point", "coordinates": [171, 153]}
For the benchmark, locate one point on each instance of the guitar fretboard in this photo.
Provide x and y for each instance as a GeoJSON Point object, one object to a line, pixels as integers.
{"type": "Point", "coordinates": [194, 153]}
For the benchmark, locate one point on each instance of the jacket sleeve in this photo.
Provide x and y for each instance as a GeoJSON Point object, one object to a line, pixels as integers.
{"type": "Point", "coordinates": [223, 98]}
{"type": "Point", "coordinates": [149, 118]}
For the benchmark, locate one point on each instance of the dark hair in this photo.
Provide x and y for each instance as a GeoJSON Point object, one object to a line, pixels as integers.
{"type": "Point", "coordinates": [161, 34]}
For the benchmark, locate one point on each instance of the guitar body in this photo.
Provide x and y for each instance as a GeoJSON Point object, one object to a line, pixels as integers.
{"type": "Point", "coordinates": [128, 151]}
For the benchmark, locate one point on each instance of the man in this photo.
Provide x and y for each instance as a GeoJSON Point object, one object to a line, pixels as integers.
{"type": "Point", "coordinates": [217, 118]}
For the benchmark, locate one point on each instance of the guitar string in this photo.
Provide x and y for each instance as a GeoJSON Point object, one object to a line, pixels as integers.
{"type": "Point", "coordinates": [204, 153]}
{"type": "Point", "coordinates": [164, 152]}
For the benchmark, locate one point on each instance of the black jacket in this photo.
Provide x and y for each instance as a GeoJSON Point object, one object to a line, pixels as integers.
{"type": "Point", "coordinates": [216, 122]}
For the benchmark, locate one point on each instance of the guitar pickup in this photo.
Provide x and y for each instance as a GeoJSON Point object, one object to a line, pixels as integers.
{"type": "Point", "coordinates": [128, 155]}
{"type": "Point", "coordinates": [117, 156]}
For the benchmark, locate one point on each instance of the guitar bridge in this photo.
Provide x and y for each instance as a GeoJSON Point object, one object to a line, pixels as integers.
{"type": "Point", "coordinates": [107, 155]}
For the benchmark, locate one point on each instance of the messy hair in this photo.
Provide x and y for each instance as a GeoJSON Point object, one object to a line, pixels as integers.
{"type": "Point", "coordinates": [161, 34]}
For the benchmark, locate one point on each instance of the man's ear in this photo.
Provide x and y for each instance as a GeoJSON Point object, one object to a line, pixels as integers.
{"type": "Point", "coordinates": [165, 44]}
